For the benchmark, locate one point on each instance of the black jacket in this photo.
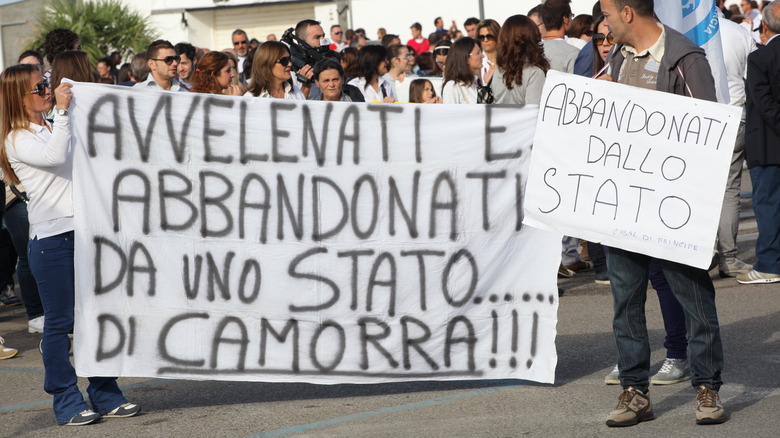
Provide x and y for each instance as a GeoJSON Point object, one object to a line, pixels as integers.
{"type": "Point", "coordinates": [762, 127]}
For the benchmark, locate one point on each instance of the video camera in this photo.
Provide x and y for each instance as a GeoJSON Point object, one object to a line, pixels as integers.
{"type": "Point", "coordinates": [303, 54]}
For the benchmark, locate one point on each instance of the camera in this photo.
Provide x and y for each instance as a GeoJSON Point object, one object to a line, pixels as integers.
{"type": "Point", "coordinates": [302, 54]}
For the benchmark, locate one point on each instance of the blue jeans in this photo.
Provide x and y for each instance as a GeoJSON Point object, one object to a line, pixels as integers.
{"type": "Point", "coordinates": [766, 204]}
{"type": "Point", "coordinates": [51, 260]}
{"type": "Point", "coordinates": [16, 222]}
{"type": "Point", "coordinates": [628, 275]}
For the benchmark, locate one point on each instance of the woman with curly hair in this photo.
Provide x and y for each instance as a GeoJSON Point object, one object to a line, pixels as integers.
{"type": "Point", "coordinates": [214, 75]}
{"type": "Point", "coordinates": [522, 67]}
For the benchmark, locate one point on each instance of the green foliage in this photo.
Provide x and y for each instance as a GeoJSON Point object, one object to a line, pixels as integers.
{"type": "Point", "coordinates": [102, 25]}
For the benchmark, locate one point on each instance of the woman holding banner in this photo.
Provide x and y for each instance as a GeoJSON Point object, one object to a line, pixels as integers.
{"type": "Point", "coordinates": [36, 153]}
{"type": "Point", "coordinates": [522, 66]}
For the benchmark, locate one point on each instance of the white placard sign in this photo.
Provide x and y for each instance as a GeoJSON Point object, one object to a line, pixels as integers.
{"type": "Point", "coordinates": [631, 168]}
{"type": "Point", "coordinates": [271, 240]}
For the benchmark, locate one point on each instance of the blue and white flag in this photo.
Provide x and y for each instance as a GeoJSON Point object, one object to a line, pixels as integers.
{"type": "Point", "coordinates": [698, 20]}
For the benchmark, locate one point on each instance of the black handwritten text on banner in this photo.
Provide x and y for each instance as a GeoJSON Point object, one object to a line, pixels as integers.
{"type": "Point", "coordinates": [258, 239]}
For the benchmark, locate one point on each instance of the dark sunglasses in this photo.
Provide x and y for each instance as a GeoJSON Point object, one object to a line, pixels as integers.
{"type": "Point", "coordinates": [284, 60]}
{"type": "Point", "coordinates": [600, 37]}
{"type": "Point", "coordinates": [442, 50]}
{"type": "Point", "coordinates": [168, 60]}
{"type": "Point", "coordinates": [40, 88]}
{"type": "Point", "coordinates": [487, 37]}
{"type": "Point", "coordinates": [235, 43]}
{"type": "Point", "coordinates": [338, 33]}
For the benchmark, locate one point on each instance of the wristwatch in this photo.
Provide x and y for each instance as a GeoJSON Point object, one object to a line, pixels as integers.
{"type": "Point", "coordinates": [61, 111]}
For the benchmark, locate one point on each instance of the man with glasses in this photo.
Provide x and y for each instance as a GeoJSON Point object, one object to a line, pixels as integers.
{"type": "Point", "coordinates": [652, 56]}
{"type": "Point", "coordinates": [336, 38]}
{"type": "Point", "coordinates": [241, 46]}
{"type": "Point", "coordinates": [163, 65]}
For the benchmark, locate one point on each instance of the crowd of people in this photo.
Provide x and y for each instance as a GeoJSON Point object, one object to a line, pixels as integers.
{"type": "Point", "coordinates": [486, 63]}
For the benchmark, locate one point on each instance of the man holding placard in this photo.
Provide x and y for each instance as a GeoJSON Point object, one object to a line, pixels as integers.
{"type": "Point", "coordinates": [656, 57]}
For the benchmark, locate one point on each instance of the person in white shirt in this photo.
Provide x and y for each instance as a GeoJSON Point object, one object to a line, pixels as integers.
{"type": "Point", "coordinates": [398, 58]}
{"type": "Point", "coordinates": [271, 73]}
{"type": "Point", "coordinates": [37, 154]}
{"type": "Point", "coordinates": [337, 38]}
{"type": "Point", "coordinates": [461, 74]}
{"type": "Point", "coordinates": [371, 67]}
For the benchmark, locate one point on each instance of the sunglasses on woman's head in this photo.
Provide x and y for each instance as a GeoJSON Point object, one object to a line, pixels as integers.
{"type": "Point", "coordinates": [600, 37]}
{"type": "Point", "coordinates": [40, 88]}
{"type": "Point", "coordinates": [284, 60]}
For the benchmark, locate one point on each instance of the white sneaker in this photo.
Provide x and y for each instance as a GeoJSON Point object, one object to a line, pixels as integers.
{"type": "Point", "coordinates": [35, 325]}
{"type": "Point", "coordinates": [672, 371]}
{"type": "Point", "coordinates": [613, 378]}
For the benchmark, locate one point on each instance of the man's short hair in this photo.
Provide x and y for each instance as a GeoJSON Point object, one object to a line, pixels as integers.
{"type": "Point", "coordinates": [138, 67]}
{"type": "Point", "coordinates": [334, 26]}
{"type": "Point", "coordinates": [302, 28]}
{"type": "Point", "coordinates": [58, 41]}
{"type": "Point", "coordinates": [471, 21]}
{"type": "Point", "coordinates": [554, 11]}
{"type": "Point", "coordinates": [643, 8]}
{"type": "Point", "coordinates": [34, 53]}
{"type": "Point", "coordinates": [771, 16]}
{"type": "Point", "coordinates": [534, 10]}
{"type": "Point", "coordinates": [186, 49]}
{"type": "Point", "coordinates": [238, 32]}
{"type": "Point", "coordinates": [154, 48]}
{"type": "Point", "coordinates": [436, 20]}
{"type": "Point", "coordinates": [416, 26]}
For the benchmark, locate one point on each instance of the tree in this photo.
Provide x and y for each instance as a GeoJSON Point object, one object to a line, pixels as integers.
{"type": "Point", "coordinates": [103, 26]}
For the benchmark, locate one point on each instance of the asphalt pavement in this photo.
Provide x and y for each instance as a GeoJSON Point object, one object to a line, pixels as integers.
{"type": "Point", "coordinates": [576, 405]}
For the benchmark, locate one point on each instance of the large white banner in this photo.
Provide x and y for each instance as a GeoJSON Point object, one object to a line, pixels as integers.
{"type": "Point", "coordinates": [269, 240]}
{"type": "Point", "coordinates": [631, 168]}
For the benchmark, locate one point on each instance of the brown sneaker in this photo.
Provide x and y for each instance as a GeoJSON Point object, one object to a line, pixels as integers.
{"type": "Point", "coordinates": [708, 407]}
{"type": "Point", "coordinates": [632, 407]}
